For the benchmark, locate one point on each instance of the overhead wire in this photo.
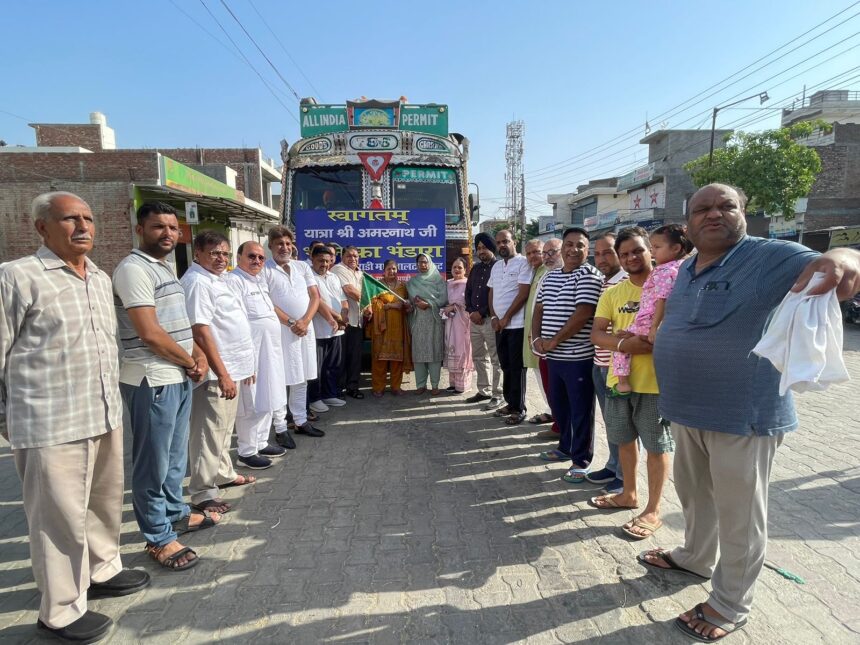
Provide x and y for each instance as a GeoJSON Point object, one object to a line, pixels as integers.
{"type": "Point", "coordinates": [260, 49]}
{"type": "Point", "coordinates": [676, 110]}
{"type": "Point", "coordinates": [249, 63]}
{"type": "Point", "coordinates": [280, 42]}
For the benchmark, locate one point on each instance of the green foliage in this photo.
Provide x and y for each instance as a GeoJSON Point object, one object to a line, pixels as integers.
{"type": "Point", "coordinates": [532, 229]}
{"type": "Point", "coordinates": [772, 168]}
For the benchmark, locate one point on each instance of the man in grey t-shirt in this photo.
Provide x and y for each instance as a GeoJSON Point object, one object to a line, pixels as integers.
{"type": "Point", "coordinates": [158, 358]}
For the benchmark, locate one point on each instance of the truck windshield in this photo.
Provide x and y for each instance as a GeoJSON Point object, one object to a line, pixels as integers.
{"type": "Point", "coordinates": [426, 187]}
{"type": "Point", "coordinates": [326, 189]}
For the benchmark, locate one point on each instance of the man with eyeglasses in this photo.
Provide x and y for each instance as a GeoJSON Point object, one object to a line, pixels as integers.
{"type": "Point", "coordinates": [258, 400]}
{"type": "Point", "coordinates": [221, 329]}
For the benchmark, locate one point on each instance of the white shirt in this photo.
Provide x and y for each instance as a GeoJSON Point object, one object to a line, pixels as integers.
{"type": "Point", "coordinates": [356, 279]}
{"type": "Point", "coordinates": [331, 293]}
{"type": "Point", "coordinates": [505, 281]}
{"type": "Point", "coordinates": [212, 303]}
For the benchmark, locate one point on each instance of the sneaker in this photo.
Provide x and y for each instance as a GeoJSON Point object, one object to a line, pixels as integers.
{"type": "Point", "coordinates": [309, 430]}
{"type": "Point", "coordinates": [272, 451]}
{"type": "Point", "coordinates": [335, 403]}
{"type": "Point", "coordinates": [477, 398]}
{"type": "Point", "coordinates": [602, 476]}
{"type": "Point", "coordinates": [614, 487]}
{"type": "Point", "coordinates": [318, 406]}
{"type": "Point", "coordinates": [493, 403]}
{"type": "Point", "coordinates": [285, 439]}
{"type": "Point", "coordinates": [450, 389]}
{"type": "Point", "coordinates": [254, 462]}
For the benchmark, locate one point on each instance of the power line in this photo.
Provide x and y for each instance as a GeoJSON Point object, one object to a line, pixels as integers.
{"type": "Point", "coordinates": [259, 49]}
{"type": "Point", "coordinates": [17, 116]}
{"type": "Point", "coordinates": [293, 60]}
{"type": "Point", "coordinates": [250, 64]}
{"type": "Point", "coordinates": [675, 110]}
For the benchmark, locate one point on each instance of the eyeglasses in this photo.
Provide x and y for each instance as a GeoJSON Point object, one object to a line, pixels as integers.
{"type": "Point", "coordinates": [219, 254]}
{"type": "Point", "coordinates": [550, 252]}
{"type": "Point", "coordinates": [252, 256]}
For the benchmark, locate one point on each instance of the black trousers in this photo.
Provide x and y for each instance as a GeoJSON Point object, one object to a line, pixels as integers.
{"type": "Point", "coordinates": [509, 345]}
{"type": "Point", "coordinates": [328, 365]}
{"type": "Point", "coordinates": [353, 340]}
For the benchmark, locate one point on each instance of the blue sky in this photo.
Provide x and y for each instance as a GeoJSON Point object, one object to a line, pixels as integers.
{"type": "Point", "coordinates": [579, 74]}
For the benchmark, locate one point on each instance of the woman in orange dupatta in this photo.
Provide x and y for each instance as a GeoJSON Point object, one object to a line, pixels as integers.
{"type": "Point", "coordinates": [391, 343]}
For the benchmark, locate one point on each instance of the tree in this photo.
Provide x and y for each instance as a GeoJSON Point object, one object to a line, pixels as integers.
{"type": "Point", "coordinates": [772, 168]}
{"type": "Point", "coordinates": [532, 229]}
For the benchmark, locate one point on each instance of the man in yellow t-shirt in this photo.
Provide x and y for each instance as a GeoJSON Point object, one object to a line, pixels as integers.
{"type": "Point", "coordinates": [633, 416]}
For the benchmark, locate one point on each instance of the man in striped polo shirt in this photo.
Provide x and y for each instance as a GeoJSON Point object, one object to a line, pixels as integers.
{"type": "Point", "coordinates": [158, 359]}
{"type": "Point", "coordinates": [564, 313]}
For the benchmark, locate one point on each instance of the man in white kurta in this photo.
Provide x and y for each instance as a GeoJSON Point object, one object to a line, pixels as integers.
{"type": "Point", "coordinates": [294, 292]}
{"type": "Point", "coordinates": [258, 399]}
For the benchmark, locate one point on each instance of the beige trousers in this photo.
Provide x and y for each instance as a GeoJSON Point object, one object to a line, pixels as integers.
{"type": "Point", "coordinates": [722, 482]}
{"type": "Point", "coordinates": [212, 420]}
{"type": "Point", "coordinates": [485, 358]}
{"type": "Point", "coordinates": [73, 501]}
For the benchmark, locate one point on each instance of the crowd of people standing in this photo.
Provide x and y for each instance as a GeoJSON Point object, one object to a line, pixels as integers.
{"type": "Point", "coordinates": [272, 344]}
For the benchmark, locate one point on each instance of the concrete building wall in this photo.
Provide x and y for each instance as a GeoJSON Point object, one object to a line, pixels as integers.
{"type": "Point", "coordinates": [85, 135]}
{"type": "Point", "coordinates": [110, 202]}
{"type": "Point", "coordinates": [835, 197]}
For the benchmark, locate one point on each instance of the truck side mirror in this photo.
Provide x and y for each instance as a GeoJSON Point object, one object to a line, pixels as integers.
{"type": "Point", "coordinates": [474, 208]}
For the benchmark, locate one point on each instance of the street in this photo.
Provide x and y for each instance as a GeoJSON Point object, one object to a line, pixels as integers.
{"type": "Point", "coordinates": [425, 520]}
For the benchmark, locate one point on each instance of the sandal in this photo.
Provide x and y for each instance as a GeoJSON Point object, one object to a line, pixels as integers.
{"type": "Point", "coordinates": [184, 525]}
{"type": "Point", "coordinates": [241, 480]}
{"type": "Point", "coordinates": [607, 503]}
{"type": "Point", "coordinates": [515, 419]}
{"type": "Point", "coordinates": [541, 418]}
{"type": "Point", "coordinates": [420, 390]}
{"type": "Point", "coordinates": [554, 455]}
{"type": "Point", "coordinates": [650, 529]}
{"type": "Point", "coordinates": [504, 411]}
{"type": "Point", "coordinates": [217, 505]}
{"type": "Point", "coordinates": [575, 475]}
{"type": "Point", "coordinates": [665, 556]}
{"type": "Point", "coordinates": [699, 614]}
{"type": "Point", "coordinates": [172, 561]}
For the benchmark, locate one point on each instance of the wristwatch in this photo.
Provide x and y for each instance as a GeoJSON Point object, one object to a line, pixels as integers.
{"type": "Point", "coordinates": [291, 322]}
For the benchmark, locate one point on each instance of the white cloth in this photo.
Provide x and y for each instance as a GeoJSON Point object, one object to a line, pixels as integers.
{"type": "Point", "coordinates": [331, 293]}
{"type": "Point", "coordinates": [212, 303]}
{"type": "Point", "coordinates": [269, 392]}
{"type": "Point", "coordinates": [804, 341]}
{"type": "Point", "coordinates": [505, 281]}
{"type": "Point", "coordinates": [289, 292]}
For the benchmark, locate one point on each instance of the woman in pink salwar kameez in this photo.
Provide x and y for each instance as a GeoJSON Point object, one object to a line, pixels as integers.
{"type": "Point", "coordinates": [458, 341]}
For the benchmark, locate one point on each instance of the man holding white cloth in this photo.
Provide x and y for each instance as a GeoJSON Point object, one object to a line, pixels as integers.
{"type": "Point", "coordinates": [257, 400]}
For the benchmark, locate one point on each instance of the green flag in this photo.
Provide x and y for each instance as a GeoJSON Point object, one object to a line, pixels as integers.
{"type": "Point", "coordinates": [370, 288]}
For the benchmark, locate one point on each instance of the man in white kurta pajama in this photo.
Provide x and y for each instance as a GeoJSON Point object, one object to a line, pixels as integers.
{"type": "Point", "coordinates": [294, 292]}
{"type": "Point", "coordinates": [258, 400]}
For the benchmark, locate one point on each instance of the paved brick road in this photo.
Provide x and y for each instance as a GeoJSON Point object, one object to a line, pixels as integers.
{"type": "Point", "coordinates": [425, 521]}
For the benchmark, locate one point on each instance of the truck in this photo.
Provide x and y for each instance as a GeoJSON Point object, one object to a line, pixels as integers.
{"type": "Point", "coordinates": [380, 155]}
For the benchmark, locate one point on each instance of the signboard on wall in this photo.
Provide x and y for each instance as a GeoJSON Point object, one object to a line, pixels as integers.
{"type": "Point", "coordinates": [653, 196]}
{"type": "Point", "coordinates": [379, 235]}
{"type": "Point", "coordinates": [192, 215]}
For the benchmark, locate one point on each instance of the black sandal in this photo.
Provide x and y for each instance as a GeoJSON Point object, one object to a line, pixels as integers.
{"type": "Point", "coordinates": [184, 526]}
{"type": "Point", "coordinates": [170, 562]}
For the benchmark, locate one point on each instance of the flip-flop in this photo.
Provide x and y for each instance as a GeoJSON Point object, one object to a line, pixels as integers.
{"type": "Point", "coordinates": [611, 504]}
{"type": "Point", "coordinates": [210, 504]}
{"type": "Point", "coordinates": [665, 557]}
{"type": "Point", "coordinates": [642, 524]}
{"type": "Point", "coordinates": [246, 479]}
{"type": "Point", "coordinates": [541, 418]}
{"type": "Point", "coordinates": [575, 475]}
{"type": "Point", "coordinates": [554, 455]}
{"type": "Point", "coordinates": [184, 526]}
{"type": "Point", "coordinates": [725, 625]}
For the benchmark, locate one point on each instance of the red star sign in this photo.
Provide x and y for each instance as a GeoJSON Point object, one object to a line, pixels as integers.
{"type": "Point", "coordinates": [636, 201]}
{"type": "Point", "coordinates": [653, 198]}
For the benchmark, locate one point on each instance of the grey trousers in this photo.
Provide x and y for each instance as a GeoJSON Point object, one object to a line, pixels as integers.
{"type": "Point", "coordinates": [212, 421]}
{"type": "Point", "coordinates": [73, 502]}
{"type": "Point", "coordinates": [722, 482]}
{"type": "Point", "coordinates": [485, 357]}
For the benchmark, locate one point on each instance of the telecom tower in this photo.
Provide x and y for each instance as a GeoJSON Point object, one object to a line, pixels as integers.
{"type": "Point", "coordinates": [515, 185]}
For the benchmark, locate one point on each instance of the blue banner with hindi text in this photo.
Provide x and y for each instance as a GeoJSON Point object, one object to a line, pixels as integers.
{"type": "Point", "coordinates": [379, 235]}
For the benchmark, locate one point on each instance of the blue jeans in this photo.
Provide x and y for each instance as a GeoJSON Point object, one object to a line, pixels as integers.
{"type": "Point", "coordinates": [571, 398]}
{"type": "Point", "coordinates": [599, 375]}
{"type": "Point", "coordinates": [159, 455]}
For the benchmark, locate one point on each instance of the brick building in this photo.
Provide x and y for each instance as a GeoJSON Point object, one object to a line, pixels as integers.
{"type": "Point", "coordinates": [232, 188]}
